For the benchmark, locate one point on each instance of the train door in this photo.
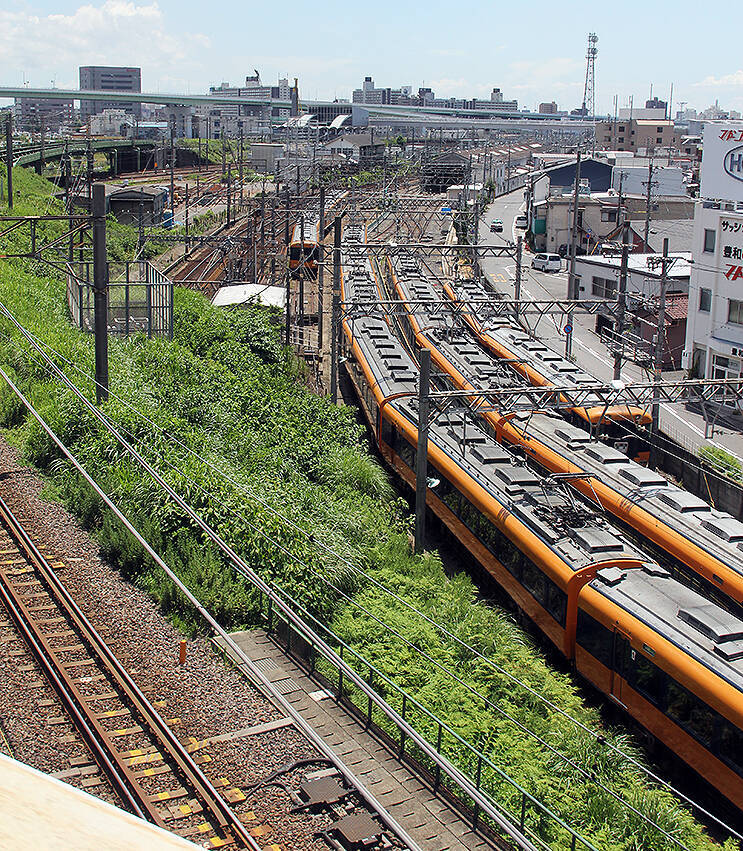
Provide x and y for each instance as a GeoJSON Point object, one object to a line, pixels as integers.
{"type": "Point", "coordinates": [620, 663]}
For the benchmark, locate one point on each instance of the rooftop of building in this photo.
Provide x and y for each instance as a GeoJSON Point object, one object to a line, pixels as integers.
{"type": "Point", "coordinates": [647, 264]}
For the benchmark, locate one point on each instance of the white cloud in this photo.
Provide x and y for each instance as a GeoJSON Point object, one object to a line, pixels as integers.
{"type": "Point", "coordinates": [113, 33]}
{"type": "Point", "coordinates": [735, 79]}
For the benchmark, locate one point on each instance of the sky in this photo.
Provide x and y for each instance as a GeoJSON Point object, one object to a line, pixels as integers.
{"type": "Point", "coordinates": [533, 52]}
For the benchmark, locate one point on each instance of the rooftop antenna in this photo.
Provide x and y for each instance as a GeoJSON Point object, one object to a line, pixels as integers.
{"type": "Point", "coordinates": [589, 95]}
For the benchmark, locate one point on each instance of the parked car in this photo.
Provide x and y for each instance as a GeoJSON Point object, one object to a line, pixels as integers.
{"type": "Point", "coordinates": [547, 262]}
{"type": "Point", "coordinates": [520, 221]}
{"type": "Point", "coordinates": [496, 226]}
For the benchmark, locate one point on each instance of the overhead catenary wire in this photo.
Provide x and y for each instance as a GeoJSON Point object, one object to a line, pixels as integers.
{"type": "Point", "coordinates": [246, 665]}
{"type": "Point", "coordinates": [586, 729]}
{"type": "Point", "coordinates": [487, 805]}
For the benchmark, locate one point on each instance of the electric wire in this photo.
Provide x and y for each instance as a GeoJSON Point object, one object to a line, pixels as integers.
{"type": "Point", "coordinates": [277, 594]}
{"type": "Point", "coordinates": [430, 659]}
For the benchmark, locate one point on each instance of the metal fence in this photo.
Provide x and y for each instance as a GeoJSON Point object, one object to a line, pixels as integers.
{"type": "Point", "coordinates": [140, 298]}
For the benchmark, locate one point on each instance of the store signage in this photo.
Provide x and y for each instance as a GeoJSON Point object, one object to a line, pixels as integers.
{"type": "Point", "coordinates": [722, 161]}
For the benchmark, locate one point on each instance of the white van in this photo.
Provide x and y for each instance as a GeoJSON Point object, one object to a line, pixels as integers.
{"type": "Point", "coordinates": [520, 221]}
{"type": "Point", "coordinates": [547, 262]}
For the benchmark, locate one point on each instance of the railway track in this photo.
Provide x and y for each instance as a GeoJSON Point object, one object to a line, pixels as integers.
{"type": "Point", "coordinates": [151, 772]}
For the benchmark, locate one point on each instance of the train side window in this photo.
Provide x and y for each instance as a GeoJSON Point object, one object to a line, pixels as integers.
{"type": "Point", "coordinates": [730, 746]}
{"type": "Point", "coordinates": [595, 638]}
{"type": "Point", "coordinates": [557, 602]}
{"type": "Point", "coordinates": [689, 712]}
{"type": "Point", "coordinates": [645, 677]}
{"type": "Point", "coordinates": [534, 581]}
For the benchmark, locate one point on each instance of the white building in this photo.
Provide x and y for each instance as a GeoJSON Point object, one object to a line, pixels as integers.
{"type": "Point", "coordinates": [111, 122]}
{"type": "Point", "coordinates": [668, 181]}
{"type": "Point", "coordinates": [714, 330]}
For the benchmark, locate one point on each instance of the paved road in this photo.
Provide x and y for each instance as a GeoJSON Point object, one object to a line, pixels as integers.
{"type": "Point", "coordinates": [676, 421]}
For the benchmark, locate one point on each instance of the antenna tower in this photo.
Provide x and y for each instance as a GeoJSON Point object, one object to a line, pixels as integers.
{"type": "Point", "coordinates": [589, 100]}
{"type": "Point", "coordinates": [589, 95]}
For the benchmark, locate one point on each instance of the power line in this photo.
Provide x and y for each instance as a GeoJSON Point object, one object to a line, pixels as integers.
{"type": "Point", "coordinates": [105, 420]}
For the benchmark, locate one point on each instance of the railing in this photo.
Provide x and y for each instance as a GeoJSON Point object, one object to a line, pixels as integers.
{"type": "Point", "coordinates": [453, 767]}
{"type": "Point", "coordinates": [140, 298]}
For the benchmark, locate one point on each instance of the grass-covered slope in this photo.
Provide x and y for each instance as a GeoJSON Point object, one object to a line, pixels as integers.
{"type": "Point", "coordinates": [225, 388]}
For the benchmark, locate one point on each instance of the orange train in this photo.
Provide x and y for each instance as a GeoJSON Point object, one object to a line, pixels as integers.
{"type": "Point", "coordinates": [305, 241]}
{"type": "Point", "coordinates": [703, 543]}
{"type": "Point", "coordinates": [657, 648]}
{"type": "Point", "coordinates": [536, 362]}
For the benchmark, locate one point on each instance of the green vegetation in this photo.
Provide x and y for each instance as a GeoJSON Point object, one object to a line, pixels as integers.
{"type": "Point", "coordinates": [225, 387]}
{"type": "Point", "coordinates": [214, 153]}
{"type": "Point", "coordinates": [722, 462]}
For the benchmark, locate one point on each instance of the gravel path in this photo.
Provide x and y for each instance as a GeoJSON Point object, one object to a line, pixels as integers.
{"type": "Point", "coordinates": [208, 698]}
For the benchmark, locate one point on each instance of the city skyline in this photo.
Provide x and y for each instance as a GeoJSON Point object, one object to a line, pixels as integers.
{"type": "Point", "coordinates": [44, 42]}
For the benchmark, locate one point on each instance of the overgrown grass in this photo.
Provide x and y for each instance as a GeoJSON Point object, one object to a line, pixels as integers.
{"type": "Point", "coordinates": [722, 461]}
{"type": "Point", "coordinates": [225, 387]}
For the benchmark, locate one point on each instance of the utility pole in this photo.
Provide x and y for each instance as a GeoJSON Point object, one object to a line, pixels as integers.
{"type": "Point", "coordinates": [240, 167]}
{"type": "Point", "coordinates": [172, 165]}
{"type": "Point", "coordinates": [622, 299]}
{"type": "Point", "coordinates": [571, 270]}
{"type": "Point", "coordinates": [100, 292]}
{"type": "Point", "coordinates": [224, 153]}
{"type": "Point", "coordinates": [229, 193]}
{"type": "Point", "coordinates": [517, 280]}
{"type": "Point", "coordinates": [335, 325]}
{"type": "Point", "coordinates": [141, 219]}
{"type": "Point", "coordinates": [647, 204]}
{"type": "Point", "coordinates": [660, 342]}
{"type": "Point", "coordinates": [302, 265]}
{"type": "Point", "coordinates": [42, 160]}
{"type": "Point", "coordinates": [620, 219]}
{"type": "Point", "coordinates": [321, 272]}
{"type": "Point", "coordinates": [9, 157]}
{"type": "Point", "coordinates": [186, 218]}
{"type": "Point", "coordinates": [89, 164]}
{"type": "Point", "coordinates": [421, 458]}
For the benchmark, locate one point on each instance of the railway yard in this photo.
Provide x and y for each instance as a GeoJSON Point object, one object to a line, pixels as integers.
{"type": "Point", "coordinates": [189, 631]}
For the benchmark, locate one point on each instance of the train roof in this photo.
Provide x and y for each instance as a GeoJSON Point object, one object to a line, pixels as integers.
{"type": "Point", "coordinates": [699, 627]}
{"type": "Point", "coordinates": [577, 533]}
{"type": "Point", "coordinates": [555, 368]}
{"type": "Point", "coordinates": [715, 531]}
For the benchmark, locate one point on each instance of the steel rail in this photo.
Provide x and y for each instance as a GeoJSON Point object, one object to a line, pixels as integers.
{"type": "Point", "coordinates": [240, 658]}
{"type": "Point", "coordinates": [90, 729]}
{"type": "Point", "coordinates": [475, 794]}
{"type": "Point", "coordinates": [217, 806]}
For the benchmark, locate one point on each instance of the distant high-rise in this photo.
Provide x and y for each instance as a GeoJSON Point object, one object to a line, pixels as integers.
{"type": "Point", "coordinates": [102, 78]}
{"type": "Point", "coordinates": [548, 108]}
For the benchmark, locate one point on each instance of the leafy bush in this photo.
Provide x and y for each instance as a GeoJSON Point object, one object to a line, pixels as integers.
{"type": "Point", "coordinates": [722, 462]}
{"type": "Point", "coordinates": [225, 388]}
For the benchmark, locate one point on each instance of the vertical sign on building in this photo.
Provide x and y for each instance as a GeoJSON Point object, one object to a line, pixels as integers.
{"type": "Point", "coordinates": [722, 161]}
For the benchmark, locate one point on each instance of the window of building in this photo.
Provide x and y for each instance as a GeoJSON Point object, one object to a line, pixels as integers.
{"type": "Point", "coordinates": [659, 130]}
{"type": "Point", "coordinates": [621, 129]}
{"type": "Point", "coordinates": [621, 138]}
{"type": "Point", "coordinates": [705, 300]}
{"type": "Point", "coordinates": [659, 140]}
{"type": "Point", "coordinates": [608, 215]}
{"type": "Point", "coordinates": [603, 287]}
{"type": "Point", "coordinates": [709, 240]}
{"type": "Point", "coordinates": [735, 311]}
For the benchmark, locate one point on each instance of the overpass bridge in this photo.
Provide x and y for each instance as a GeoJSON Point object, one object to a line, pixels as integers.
{"type": "Point", "coordinates": [397, 114]}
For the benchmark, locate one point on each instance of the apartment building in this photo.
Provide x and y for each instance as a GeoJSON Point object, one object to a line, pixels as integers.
{"type": "Point", "coordinates": [104, 78]}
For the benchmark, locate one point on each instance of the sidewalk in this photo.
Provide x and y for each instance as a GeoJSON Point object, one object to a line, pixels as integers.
{"type": "Point", "coordinates": [677, 422]}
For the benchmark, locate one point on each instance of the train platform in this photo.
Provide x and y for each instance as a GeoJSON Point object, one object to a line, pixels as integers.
{"type": "Point", "coordinates": [38, 811]}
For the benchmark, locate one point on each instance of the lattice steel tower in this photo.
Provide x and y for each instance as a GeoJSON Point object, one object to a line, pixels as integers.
{"type": "Point", "coordinates": [589, 102]}
{"type": "Point", "coordinates": [589, 95]}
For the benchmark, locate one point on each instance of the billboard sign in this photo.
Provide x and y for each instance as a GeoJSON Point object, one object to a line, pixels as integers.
{"type": "Point", "coordinates": [722, 161]}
